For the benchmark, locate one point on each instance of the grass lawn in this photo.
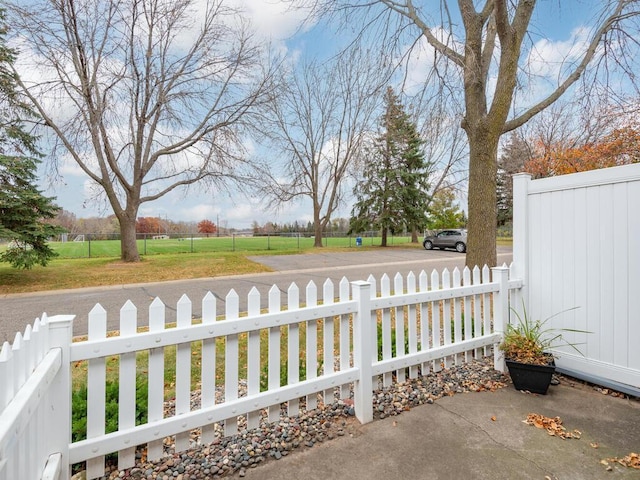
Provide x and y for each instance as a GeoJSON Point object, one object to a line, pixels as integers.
{"type": "Point", "coordinates": [186, 244]}
{"type": "Point", "coordinates": [63, 273]}
{"type": "Point", "coordinates": [91, 272]}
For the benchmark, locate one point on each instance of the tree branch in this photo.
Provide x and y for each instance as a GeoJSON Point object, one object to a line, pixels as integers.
{"type": "Point", "coordinates": [601, 33]}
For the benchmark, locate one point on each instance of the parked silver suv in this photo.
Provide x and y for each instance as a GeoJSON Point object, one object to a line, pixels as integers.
{"type": "Point", "coordinates": [454, 238]}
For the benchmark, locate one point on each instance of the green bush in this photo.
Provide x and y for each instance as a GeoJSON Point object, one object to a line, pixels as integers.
{"type": "Point", "coordinates": [79, 408]}
{"type": "Point", "coordinates": [393, 342]}
{"type": "Point", "coordinates": [462, 324]}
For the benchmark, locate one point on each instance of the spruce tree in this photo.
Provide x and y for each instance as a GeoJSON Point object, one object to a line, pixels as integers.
{"type": "Point", "coordinates": [391, 194]}
{"type": "Point", "coordinates": [22, 206]}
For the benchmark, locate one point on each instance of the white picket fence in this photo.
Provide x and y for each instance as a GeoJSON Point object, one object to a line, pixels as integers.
{"type": "Point", "coordinates": [431, 320]}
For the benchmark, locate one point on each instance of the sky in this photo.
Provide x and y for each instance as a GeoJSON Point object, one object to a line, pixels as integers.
{"type": "Point", "coordinates": [284, 29]}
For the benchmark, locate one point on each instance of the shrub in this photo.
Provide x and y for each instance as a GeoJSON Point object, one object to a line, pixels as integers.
{"type": "Point", "coordinates": [393, 342]}
{"type": "Point", "coordinates": [79, 408]}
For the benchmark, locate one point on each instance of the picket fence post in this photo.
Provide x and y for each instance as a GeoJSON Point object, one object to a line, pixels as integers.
{"type": "Point", "coordinates": [363, 331]}
{"type": "Point", "coordinates": [58, 431]}
{"type": "Point", "coordinates": [500, 312]}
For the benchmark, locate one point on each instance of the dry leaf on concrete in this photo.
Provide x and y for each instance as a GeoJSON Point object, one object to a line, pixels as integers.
{"type": "Point", "coordinates": [632, 461]}
{"type": "Point", "coordinates": [553, 426]}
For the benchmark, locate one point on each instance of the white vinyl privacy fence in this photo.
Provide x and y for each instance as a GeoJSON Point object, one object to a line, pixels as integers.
{"type": "Point", "coordinates": [339, 342]}
{"type": "Point", "coordinates": [577, 244]}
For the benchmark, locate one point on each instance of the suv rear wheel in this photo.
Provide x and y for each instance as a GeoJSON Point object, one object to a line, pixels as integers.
{"type": "Point", "coordinates": [461, 247]}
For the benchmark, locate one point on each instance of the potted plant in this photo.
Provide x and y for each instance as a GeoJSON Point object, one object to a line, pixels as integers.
{"type": "Point", "coordinates": [526, 346]}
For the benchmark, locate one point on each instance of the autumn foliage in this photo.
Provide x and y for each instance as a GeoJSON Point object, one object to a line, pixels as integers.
{"type": "Point", "coordinates": [207, 227]}
{"type": "Point", "coordinates": [148, 225]}
{"type": "Point", "coordinates": [620, 147]}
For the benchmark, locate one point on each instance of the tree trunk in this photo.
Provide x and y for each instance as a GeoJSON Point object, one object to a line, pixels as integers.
{"type": "Point", "coordinates": [414, 236]}
{"type": "Point", "coordinates": [318, 226]}
{"type": "Point", "coordinates": [317, 229]}
{"type": "Point", "coordinates": [483, 165]}
{"type": "Point", "coordinates": [384, 237]}
{"type": "Point", "coordinates": [128, 244]}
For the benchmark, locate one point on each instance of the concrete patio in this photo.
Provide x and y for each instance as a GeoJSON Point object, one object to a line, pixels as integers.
{"type": "Point", "coordinates": [480, 436]}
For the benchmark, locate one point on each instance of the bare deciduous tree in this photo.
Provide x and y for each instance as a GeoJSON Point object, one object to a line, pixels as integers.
{"type": "Point", "coordinates": [144, 95]}
{"type": "Point", "coordinates": [445, 144]}
{"type": "Point", "coordinates": [317, 124]}
{"type": "Point", "coordinates": [484, 49]}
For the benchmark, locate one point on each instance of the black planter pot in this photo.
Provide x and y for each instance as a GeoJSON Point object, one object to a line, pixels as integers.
{"type": "Point", "coordinates": [533, 378]}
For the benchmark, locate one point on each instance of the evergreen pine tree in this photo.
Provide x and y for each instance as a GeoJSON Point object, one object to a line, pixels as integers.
{"type": "Point", "coordinates": [22, 205]}
{"type": "Point", "coordinates": [390, 195]}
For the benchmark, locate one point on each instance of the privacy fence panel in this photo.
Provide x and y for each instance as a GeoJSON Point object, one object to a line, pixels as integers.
{"type": "Point", "coordinates": [577, 247]}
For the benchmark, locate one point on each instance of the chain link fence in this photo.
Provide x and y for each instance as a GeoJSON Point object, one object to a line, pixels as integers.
{"type": "Point", "coordinates": [93, 245]}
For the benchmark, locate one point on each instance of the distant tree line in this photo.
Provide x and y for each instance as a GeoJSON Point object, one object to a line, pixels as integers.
{"type": "Point", "coordinates": [268, 228]}
{"type": "Point", "coordinates": [108, 227]}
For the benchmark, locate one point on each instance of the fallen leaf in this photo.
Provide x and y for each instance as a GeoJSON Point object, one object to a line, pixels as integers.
{"type": "Point", "coordinates": [594, 445]}
{"type": "Point", "coordinates": [632, 460]}
{"type": "Point", "coordinates": [395, 424]}
{"type": "Point", "coordinates": [553, 426]}
{"type": "Point", "coordinates": [493, 418]}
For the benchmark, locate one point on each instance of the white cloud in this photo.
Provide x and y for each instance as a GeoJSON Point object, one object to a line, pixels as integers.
{"type": "Point", "coordinates": [92, 195]}
{"type": "Point", "coordinates": [68, 166]}
{"type": "Point", "coordinates": [195, 213]}
{"type": "Point", "coordinates": [273, 19]}
{"type": "Point", "coordinates": [548, 64]}
{"type": "Point", "coordinates": [548, 58]}
{"type": "Point", "coordinates": [420, 64]}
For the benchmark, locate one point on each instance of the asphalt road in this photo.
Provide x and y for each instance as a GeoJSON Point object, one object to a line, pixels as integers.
{"type": "Point", "coordinates": [19, 310]}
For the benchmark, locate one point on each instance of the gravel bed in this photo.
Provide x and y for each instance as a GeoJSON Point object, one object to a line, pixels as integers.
{"type": "Point", "coordinates": [232, 456]}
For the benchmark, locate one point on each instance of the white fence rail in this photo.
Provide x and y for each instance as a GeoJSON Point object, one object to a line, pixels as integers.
{"type": "Point", "coordinates": [35, 391]}
{"type": "Point", "coordinates": [577, 244]}
{"type": "Point", "coordinates": [290, 356]}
